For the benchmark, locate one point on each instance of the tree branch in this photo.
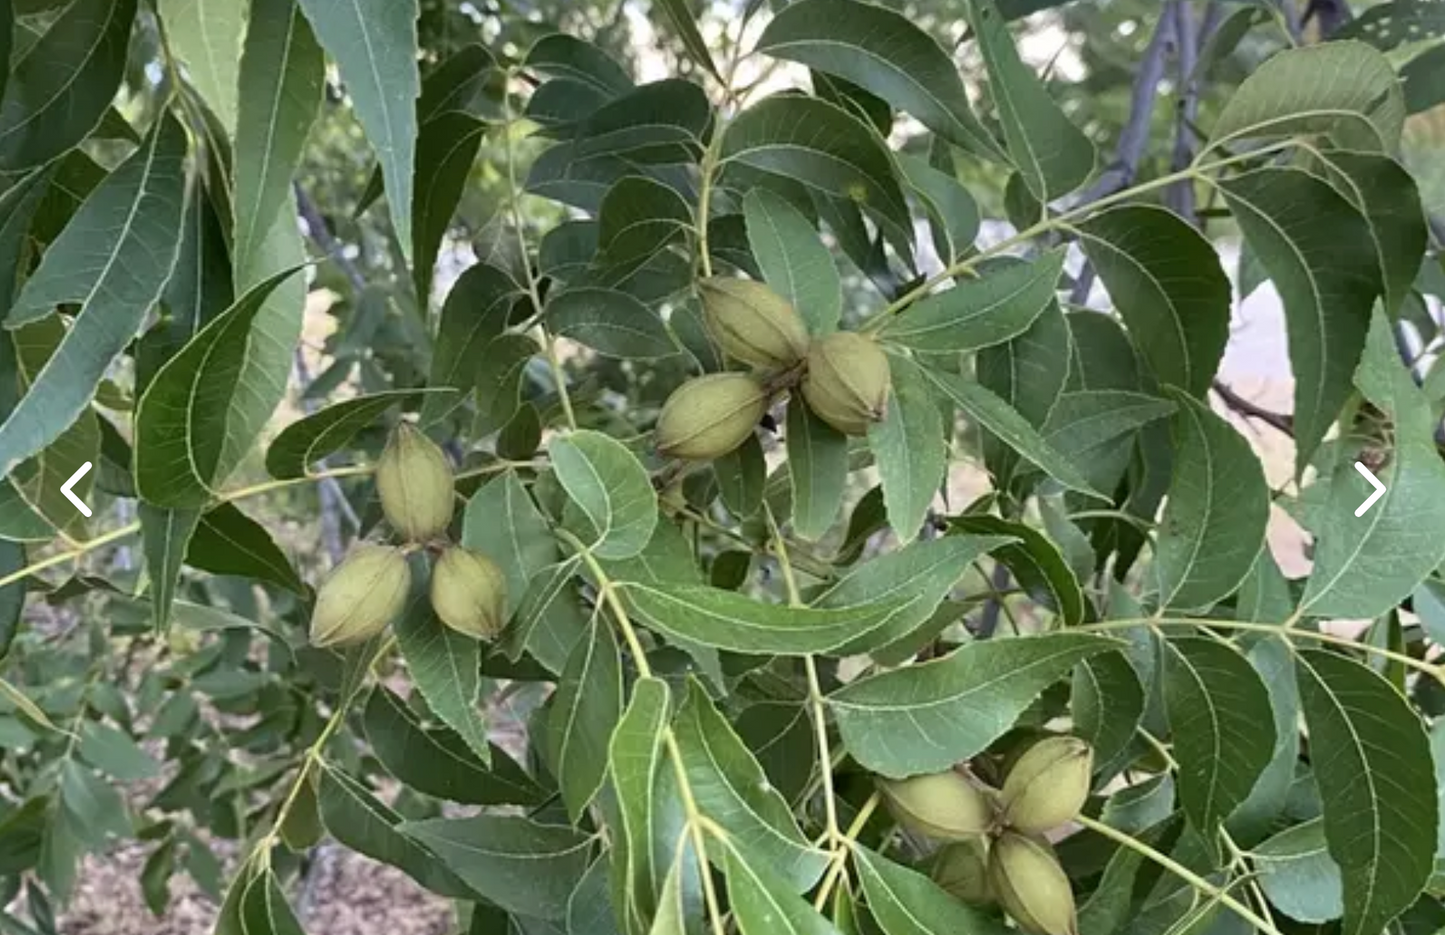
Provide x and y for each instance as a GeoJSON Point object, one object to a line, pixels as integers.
{"type": "Point", "coordinates": [1252, 410]}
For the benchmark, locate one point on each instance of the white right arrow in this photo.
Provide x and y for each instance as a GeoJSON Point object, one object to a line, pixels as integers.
{"type": "Point", "coordinates": [1374, 482]}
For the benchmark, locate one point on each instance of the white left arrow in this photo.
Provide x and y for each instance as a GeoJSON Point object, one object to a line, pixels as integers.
{"type": "Point", "coordinates": [70, 494]}
{"type": "Point", "coordinates": [1374, 482]}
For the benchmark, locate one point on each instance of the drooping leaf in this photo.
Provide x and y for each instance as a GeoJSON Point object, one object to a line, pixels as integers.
{"type": "Point", "coordinates": [1028, 372]}
{"type": "Point", "coordinates": [882, 51]}
{"type": "Point", "coordinates": [909, 448]}
{"type": "Point", "coordinates": [1362, 108]}
{"type": "Point", "coordinates": [585, 711]}
{"type": "Point", "coordinates": [503, 523]}
{"type": "Point", "coordinates": [817, 470]}
{"type": "Point", "coordinates": [794, 261]}
{"type": "Point", "coordinates": [610, 322]}
{"type": "Point", "coordinates": [1222, 726]}
{"type": "Point", "coordinates": [374, 43]}
{"type": "Point", "coordinates": [825, 148]}
{"type": "Point", "coordinates": [1107, 702]}
{"type": "Point", "coordinates": [1035, 561]}
{"type": "Point", "coordinates": [1307, 235]}
{"type": "Point", "coordinates": [639, 217]}
{"type": "Point", "coordinates": [323, 433]}
{"type": "Point", "coordinates": [283, 71]}
{"type": "Point", "coordinates": [1298, 875]}
{"type": "Point", "coordinates": [12, 595]}
{"type": "Point", "coordinates": [679, 17]}
{"type": "Point", "coordinates": [61, 87]}
{"type": "Point", "coordinates": [445, 150]}
{"type": "Point", "coordinates": [730, 787]}
{"type": "Point", "coordinates": [1214, 521]}
{"type": "Point", "coordinates": [741, 477]}
{"type": "Point", "coordinates": [112, 260]}
{"type": "Point", "coordinates": [363, 823]}
{"type": "Point", "coordinates": [905, 902]}
{"type": "Point", "coordinates": [445, 665]}
{"type": "Point", "coordinates": [1377, 786]}
{"type": "Point", "coordinates": [635, 754]}
{"type": "Point", "coordinates": [925, 718]}
{"type": "Point", "coordinates": [207, 35]}
{"type": "Point", "coordinates": [257, 906]}
{"type": "Point", "coordinates": [228, 542]}
{"type": "Point", "coordinates": [1011, 428]}
{"type": "Point", "coordinates": [952, 212]}
{"type": "Point", "coordinates": [611, 487]}
{"type": "Point", "coordinates": [1257, 814]}
{"type": "Point", "coordinates": [1166, 282]}
{"type": "Point", "coordinates": [474, 313]}
{"type": "Point", "coordinates": [1364, 565]}
{"type": "Point", "coordinates": [762, 904]}
{"type": "Point", "coordinates": [18, 205]}
{"type": "Point", "coordinates": [183, 422]}
{"type": "Point", "coordinates": [436, 761]}
{"type": "Point", "coordinates": [1053, 156]}
{"type": "Point", "coordinates": [165, 536]}
{"type": "Point", "coordinates": [1385, 193]}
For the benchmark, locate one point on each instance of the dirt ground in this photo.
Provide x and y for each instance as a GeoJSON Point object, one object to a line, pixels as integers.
{"type": "Point", "coordinates": [348, 894]}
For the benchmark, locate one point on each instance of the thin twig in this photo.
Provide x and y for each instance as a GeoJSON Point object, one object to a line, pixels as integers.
{"type": "Point", "coordinates": [1244, 407]}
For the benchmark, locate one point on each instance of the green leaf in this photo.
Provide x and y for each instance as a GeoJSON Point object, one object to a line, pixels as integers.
{"type": "Point", "coordinates": [363, 823]}
{"type": "Point", "coordinates": [1424, 80]}
{"type": "Point", "coordinates": [610, 485]}
{"type": "Point", "coordinates": [874, 605]}
{"type": "Point", "coordinates": [1382, 191]}
{"type": "Point", "coordinates": [18, 205]}
{"type": "Point", "coordinates": [1298, 876]}
{"type": "Point", "coordinates": [761, 904]}
{"type": "Point", "coordinates": [1377, 786]}
{"type": "Point", "coordinates": [437, 762]}
{"type": "Point", "coordinates": [259, 907]}
{"type": "Point", "coordinates": [882, 51]}
{"type": "Point", "coordinates": [112, 260]}
{"type": "Point", "coordinates": [585, 710]}
{"type": "Point", "coordinates": [308, 440]}
{"type": "Point", "coordinates": [228, 542]}
{"type": "Point", "coordinates": [905, 902]}
{"type": "Point", "coordinates": [679, 17]}
{"type": "Point", "coordinates": [634, 756]}
{"type": "Point", "coordinates": [1308, 237]}
{"type": "Point", "coordinates": [731, 788]}
{"type": "Point", "coordinates": [826, 148]}
{"type": "Point", "coordinates": [183, 422]}
{"type": "Point", "coordinates": [909, 448]}
{"type": "Point", "coordinates": [550, 619]}
{"type": "Point", "coordinates": [794, 261]}
{"type": "Point", "coordinates": [445, 665]}
{"type": "Point", "coordinates": [1214, 521]}
{"type": "Point", "coordinates": [952, 212]}
{"type": "Point", "coordinates": [817, 470]}
{"type": "Point", "coordinates": [1256, 815]}
{"type": "Point", "coordinates": [978, 313]}
{"type": "Point", "coordinates": [661, 123]}
{"type": "Point", "coordinates": [1361, 109]}
{"type": "Point", "coordinates": [1035, 561]}
{"type": "Point", "coordinates": [445, 151]}
{"type": "Point", "coordinates": [61, 86]}
{"type": "Point", "coordinates": [282, 69]}
{"type": "Point", "coordinates": [1166, 283]}
{"type": "Point", "coordinates": [741, 477]}
{"type": "Point", "coordinates": [1028, 373]}
{"type": "Point", "coordinates": [638, 218]}
{"type": "Point", "coordinates": [502, 523]}
{"type": "Point", "coordinates": [1053, 156]}
{"type": "Point", "coordinates": [610, 322]}
{"type": "Point", "coordinates": [475, 312]}
{"type": "Point", "coordinates": [501, 368]}
{"type": "Point", "coordinates": [925, 718]}
{"type": "Point", "coordinates": [1390, 25]}
{"type": "Point", "coordinates": [1107, 702]}
{"type": "Point", "coordinates": [12, 596]}
{"type": "Point", "coordinates": [1012, 429]}
{"type": "Point", "coordinates": [207, 36]}
{"type": "Point", "coordinates": [165, 536]}
{"type": "Point", "coordinates": [1222, 726]}
{"type": "Point", "coordinates": [114, 753]}
{"type": "Point", "coordinates": [526, 868]}
{"type": "Point", "coordinates": [1364, 565]}
{"type": "Point", "coordinates": [374, 43]}
{"type": "Point", "coordinates": [561, 55]}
